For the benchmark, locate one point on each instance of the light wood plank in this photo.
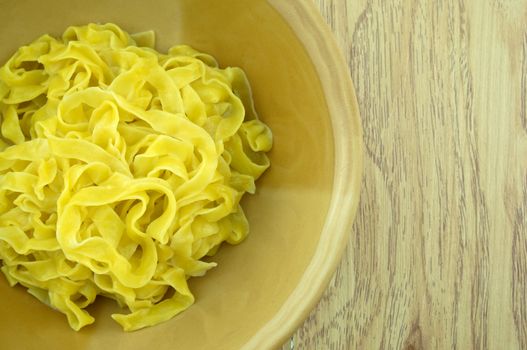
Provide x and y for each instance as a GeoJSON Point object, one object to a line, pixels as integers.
{"type": "Point", "coordinates": [438, 255]}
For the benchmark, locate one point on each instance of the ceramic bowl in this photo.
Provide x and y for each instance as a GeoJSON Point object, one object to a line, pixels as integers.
{"type": "Point", "coordinates": [301, 216]}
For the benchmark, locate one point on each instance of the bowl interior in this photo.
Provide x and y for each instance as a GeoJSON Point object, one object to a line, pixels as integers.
{"type": "Point", "coordinates": [287, 214]}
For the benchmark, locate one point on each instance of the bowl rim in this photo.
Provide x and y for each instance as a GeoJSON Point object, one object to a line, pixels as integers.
{"type": "Point", "coordinates": [319, 42]}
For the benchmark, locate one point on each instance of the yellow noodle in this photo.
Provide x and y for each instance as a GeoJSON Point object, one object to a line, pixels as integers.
{"type": "Point", "coordinates": [120, 169]}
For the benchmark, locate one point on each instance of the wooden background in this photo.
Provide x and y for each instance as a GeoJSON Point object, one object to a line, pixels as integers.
{"type": "Point", "coordinates": [438, 255]}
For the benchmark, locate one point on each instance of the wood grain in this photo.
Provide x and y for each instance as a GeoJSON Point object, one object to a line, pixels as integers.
{"type": "Point", "coordinates": [438, 255]}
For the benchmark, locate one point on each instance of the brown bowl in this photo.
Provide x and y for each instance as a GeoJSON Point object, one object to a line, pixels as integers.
{"type": "Point", "coordinates": [300, 217]}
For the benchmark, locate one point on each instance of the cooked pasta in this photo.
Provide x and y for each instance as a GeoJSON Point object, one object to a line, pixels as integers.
{"type": "Point", "coordinates": [121, 168]}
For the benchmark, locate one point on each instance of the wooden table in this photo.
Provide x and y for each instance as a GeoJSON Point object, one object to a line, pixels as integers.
{"type": "Point", "coordinates": [438, 255]}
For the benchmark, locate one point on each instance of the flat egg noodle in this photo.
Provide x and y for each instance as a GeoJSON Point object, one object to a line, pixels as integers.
{"type": "Point", "coordinates": [121, 168]}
